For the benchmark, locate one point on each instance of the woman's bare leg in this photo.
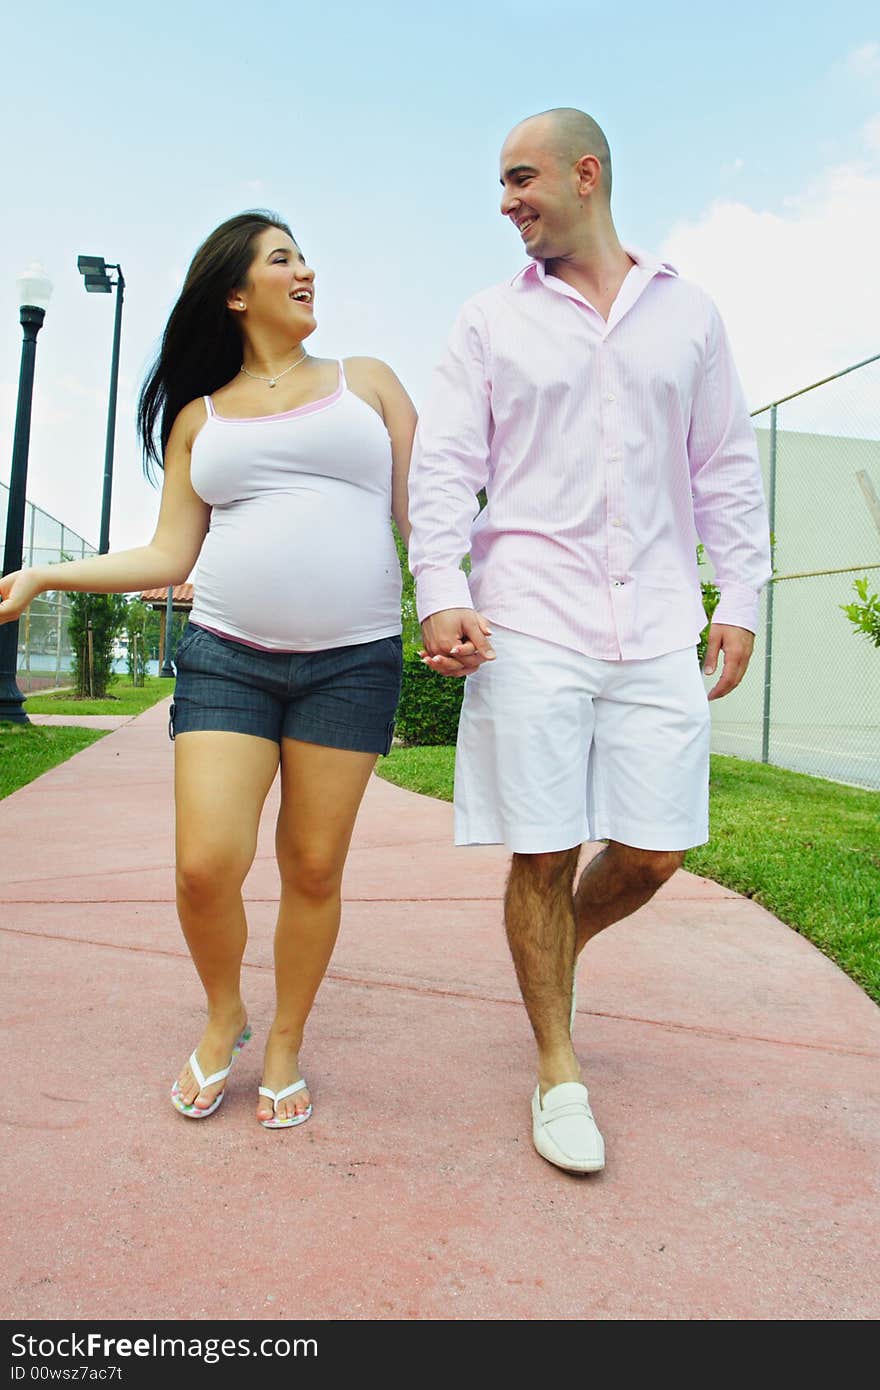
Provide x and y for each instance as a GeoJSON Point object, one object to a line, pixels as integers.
{"type": "Point", "coordinates": [220, 784]}
{"type": "Point", "coordinates": [321, 790]}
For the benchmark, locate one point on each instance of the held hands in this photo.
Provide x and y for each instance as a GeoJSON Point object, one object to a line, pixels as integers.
{"type": "Point", "coordinates": [455, 641]}
{"type": "Point", "coordinates": [736, 643]}
{"type": "Point", "coordinates": [456, 644]}
{"type": "Point", "coordinates": [16, 591]}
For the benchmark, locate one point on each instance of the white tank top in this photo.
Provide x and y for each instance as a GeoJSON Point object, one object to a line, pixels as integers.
{"type": "Point", "coordinates": [299, 555]}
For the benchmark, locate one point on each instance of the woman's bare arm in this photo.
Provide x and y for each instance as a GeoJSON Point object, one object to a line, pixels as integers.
{"type": "Point", "coordinates": [400, 418]}
{"type": "Point", "coordinates": [167, 559]}
{"type": "Point", "coordinates": [376, 382]}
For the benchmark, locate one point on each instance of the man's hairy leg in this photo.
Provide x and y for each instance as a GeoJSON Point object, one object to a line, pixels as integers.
{"type": "Point", "coordinates": [539, 918]}
{"type": "Point", "coordinates": [616, 883]}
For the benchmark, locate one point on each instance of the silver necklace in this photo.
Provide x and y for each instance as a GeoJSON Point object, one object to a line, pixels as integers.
{"type": "Point", "coordinates": [273, 380]}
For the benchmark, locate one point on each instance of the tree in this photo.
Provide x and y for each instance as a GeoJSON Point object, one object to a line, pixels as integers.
{"type": "Point", "coordinates": [136, 618]}
{"type": "Point", "coordinates": [104, 615]}
{"type": "Point", "coordinates": [153, 629]}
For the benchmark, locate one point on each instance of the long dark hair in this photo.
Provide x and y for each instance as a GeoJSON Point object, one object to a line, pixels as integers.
{"type": "Point", "coordinates": [201, 347]}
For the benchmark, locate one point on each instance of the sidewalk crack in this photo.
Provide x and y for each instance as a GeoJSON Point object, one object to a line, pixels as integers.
{"type": "Point", "coordinates": [404, 986]}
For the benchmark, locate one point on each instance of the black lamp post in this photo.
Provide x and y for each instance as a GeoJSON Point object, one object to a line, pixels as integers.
{"type": "Point", "coordinates": [167, 669]}
{"type": "Point", "coordinates": [34, 292]}
{"type": "Point", "coordinates": [94, 271]}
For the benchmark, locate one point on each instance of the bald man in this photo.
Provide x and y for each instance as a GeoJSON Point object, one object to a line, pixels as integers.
{"type": "Point", "coordinates": [595, 399]}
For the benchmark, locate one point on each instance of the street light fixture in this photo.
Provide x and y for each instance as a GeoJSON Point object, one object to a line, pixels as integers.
{"type": "Point", "coordinates": [95, 270]}
{"type": "Point", "coordinates": [34, 293]}
{"type": "Point", "coordinates": [97, 281]}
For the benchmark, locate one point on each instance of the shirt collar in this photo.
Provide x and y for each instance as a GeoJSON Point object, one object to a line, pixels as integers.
{"type": "Point", "coordinates": [535, 271]}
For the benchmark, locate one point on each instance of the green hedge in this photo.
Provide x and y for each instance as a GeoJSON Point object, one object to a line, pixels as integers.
{"type": "Point", "coordinates": [429, 704]}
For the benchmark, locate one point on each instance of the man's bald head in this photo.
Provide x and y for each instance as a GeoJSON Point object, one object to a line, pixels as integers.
{"type": "Point", "coordinates": [570, 134]}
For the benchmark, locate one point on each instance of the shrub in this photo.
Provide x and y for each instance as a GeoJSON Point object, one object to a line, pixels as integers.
{"type": "Point", "coordinates": [711, 595]}
{"type": "Point", "coordinates": [864, 616]}
{"type": "Point", "coordinates": [429, 704]}
{"type": "Point", "coordinates": [412, 632]}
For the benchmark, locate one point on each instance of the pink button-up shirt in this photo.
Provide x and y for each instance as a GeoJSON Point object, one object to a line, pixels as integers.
{"type": "Point", "coordinates": [606, 450]}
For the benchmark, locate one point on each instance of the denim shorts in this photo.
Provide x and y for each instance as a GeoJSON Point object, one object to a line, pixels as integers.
{"type": "Point", "coordinates": [344, 697]}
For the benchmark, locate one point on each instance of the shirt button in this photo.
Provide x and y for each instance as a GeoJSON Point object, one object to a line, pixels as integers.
{"type": "Point", "coordinates": [616, 522]}
{"type": "Point", "coordinates": [617, 583]}
{"type": "Point", "coordinates": [614, 457]}
{"type": "Point", "coordinates": [611, 396]}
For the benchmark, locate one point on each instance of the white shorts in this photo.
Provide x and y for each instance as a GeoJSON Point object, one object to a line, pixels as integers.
{"type": "Point", "coordinates": [556, 748]}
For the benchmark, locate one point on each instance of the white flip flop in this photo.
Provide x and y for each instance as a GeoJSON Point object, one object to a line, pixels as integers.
{"type": "Point", "coordinates": [275, 1097]}
{"type": "Point", "coordinates": [192, 1111]}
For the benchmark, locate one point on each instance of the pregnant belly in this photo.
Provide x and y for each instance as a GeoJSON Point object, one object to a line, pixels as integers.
{"type": "Point", "coordinates": [287, 580]}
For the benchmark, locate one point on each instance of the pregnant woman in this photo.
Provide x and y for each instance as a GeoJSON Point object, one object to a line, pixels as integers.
{"type": "Point", "coordinates": [281, 473]}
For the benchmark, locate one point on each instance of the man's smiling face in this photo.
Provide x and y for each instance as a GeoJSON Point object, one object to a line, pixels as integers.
{"type": "Point", "coordinates": [540, 194]}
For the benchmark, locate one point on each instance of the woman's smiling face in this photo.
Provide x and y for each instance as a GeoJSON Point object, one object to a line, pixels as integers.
{"type": "Point", "coordinates": [280, 287]}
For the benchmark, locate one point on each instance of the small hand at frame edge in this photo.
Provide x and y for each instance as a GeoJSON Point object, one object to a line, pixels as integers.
{"type": "Point", "coordinates": [736, 644]}
{"type": "Point", "coordinates": [17, 590]}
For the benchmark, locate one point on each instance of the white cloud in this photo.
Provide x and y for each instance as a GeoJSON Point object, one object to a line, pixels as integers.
{"type": "Point", "coordinates": [80, 391]}
{"type": "Point", "coordinates": [796, 288]}
{"type": "Point", "coordinates": [732, 168]}
{"type": "Point", "coordinates": [864, 61]}
{"type": "Point", "coordinates": [871, 135]}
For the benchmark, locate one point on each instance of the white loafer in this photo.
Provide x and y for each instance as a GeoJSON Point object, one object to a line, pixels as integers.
{"type": "Point", "coordinates": [564, 1130]}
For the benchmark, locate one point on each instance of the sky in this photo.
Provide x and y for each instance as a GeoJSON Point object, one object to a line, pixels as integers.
{"type": "Point", "coordinates": [745, 143]}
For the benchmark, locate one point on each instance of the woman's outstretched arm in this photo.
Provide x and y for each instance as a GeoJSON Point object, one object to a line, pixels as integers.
{"type": "Point", "coordinates": [167, 559]}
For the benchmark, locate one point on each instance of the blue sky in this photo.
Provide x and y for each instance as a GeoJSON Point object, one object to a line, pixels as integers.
{"type": "Point", "coordinates": [746, 140]}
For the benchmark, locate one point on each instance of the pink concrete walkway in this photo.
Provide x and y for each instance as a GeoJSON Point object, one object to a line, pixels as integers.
{"type": "Point", "coordinates": [83, 721]}
{"type": "Point", "coordinates": [733, 1071]}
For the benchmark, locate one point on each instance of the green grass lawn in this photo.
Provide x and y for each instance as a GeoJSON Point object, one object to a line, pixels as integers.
{"type": "Point", "coordinates": [426, 770]}
{"type": "Point", "coordinates": [123, 698]}
{"type": "Point", "coordinates": [806, 849]}
{"type": "Point", "coordinates": [27, 750]}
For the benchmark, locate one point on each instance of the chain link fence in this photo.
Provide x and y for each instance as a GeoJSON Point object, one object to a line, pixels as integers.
{"type": "Point", "coordinates": [45, 656]}
{"type": "Point", "coordinates": [811, 698]}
